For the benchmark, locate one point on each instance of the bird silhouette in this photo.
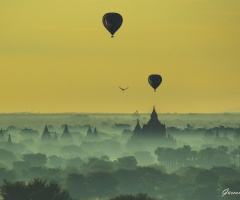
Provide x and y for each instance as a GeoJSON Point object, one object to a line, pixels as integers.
{"type": "Point", "coordinates": [123, 88]}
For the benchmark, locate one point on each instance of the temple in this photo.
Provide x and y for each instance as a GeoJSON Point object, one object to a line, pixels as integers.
{"type": "Point", "coordinates": [46, 136]}
{"type": "Point", "coordinates": [154, 128]}
{"type": "Point", "coordinates": [91, 133]}
{"type": "Point", "coordinates": [1, 134]}
{"type": "Point", "coordinates": [66, 135]}
{"type": "Point", "coordinates": [9, 142]}
{"type": "Point", "coordinates": [154, 132]}
{"type": "Point", "coordinates": [95, 133]}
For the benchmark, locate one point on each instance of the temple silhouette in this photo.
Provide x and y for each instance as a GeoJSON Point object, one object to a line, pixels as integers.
{"type": "Point", "coordinates": [9, 142]}
{"type": "Point", "coordinates": [46, 136]}
{"type": "Point", "coordinates": [153, 128]}
{"type": "Point", "coordinates": [66, 134]}
{"type": "Point", "coordinates": [91, 133]}
{"type": "Point", "coordinates": [1, 134]}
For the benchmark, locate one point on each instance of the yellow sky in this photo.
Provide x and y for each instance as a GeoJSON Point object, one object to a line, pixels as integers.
{"type": "Point", "coordinates": [56, 56]}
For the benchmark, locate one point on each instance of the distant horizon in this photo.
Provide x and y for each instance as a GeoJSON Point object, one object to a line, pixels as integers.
{"type": "Point", "coordinates": [115, 113]}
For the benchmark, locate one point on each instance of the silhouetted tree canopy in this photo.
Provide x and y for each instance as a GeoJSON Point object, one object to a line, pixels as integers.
{"type": "Point", "coordinates": [128, 162]}
{"type": "Point", "coordinates": [101, 184]}
{"type": "Point", "coordinates": [140, 196]}
{"type": "Point", "coordinates": [77, 185]}
{"type": "Point", "coordinates": [6, 155]}
{"type": "Point", "coordinates": [38, 189]}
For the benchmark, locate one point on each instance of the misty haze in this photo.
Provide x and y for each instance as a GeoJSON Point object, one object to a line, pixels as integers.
{"type": "Point", "coordinates": [119, 156]}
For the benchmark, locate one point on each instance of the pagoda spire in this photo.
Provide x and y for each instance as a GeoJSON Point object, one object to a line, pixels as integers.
{"type": "Point", "coordinates": [89, 131]}
{"type": "Point", "coordinates": [137, 127]}
{"type": "Point", "coordinates": [154, 114]}
{"type": "Point", "coordinates": [9, 142]}
{"type": "Point", "coordinates": [46, 134]}
{"type": "Point", "coordinates": [66, 131]}
{"type": "Point", "coordinates": [137, 130]}
{"type": "Point", "coordinates": [95, 132]}
{"type": "Point", "coordinates": [46, 128]}
{"type": "Point", "coordinates": [1, 133]}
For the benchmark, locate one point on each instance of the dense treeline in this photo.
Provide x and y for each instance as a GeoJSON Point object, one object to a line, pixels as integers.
{"type": "Point", "coordinates": [187, 183]}
{"type": "Point", "coordinates": [103, 178]}
{"type": "Point", "coordinates": [208, 157]}
{"type": "Point", "coordinates": [169, 158]}
{"type": "Point", "coordinates": [178, 173]}
{"type": "Point", "coordinates": [38, 189]}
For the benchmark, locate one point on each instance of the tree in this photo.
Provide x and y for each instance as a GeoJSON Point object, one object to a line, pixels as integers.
{"type": "Point", "coordinates": [236, 153]}
{"type": "Point", "coordinates": [77, 185]}
{"type": "Point", "coordinates": [170, 157]}
{"type": "Point", "coordinates": [6, 155]}
{"type": "Point", "coordinates": [75, 162]}
{"type": "Point", "coordinates": [129, 181]}
{"type": "Point", "coordinates": [38, 189]}
{"type": "Point", "coordinates": [55, 161]}
{"type": "Point", "coordinates": [206, 176]}
{"type": "Point", "coordinates": [184, 154]}
{"type": "Point", "coordinates": [7, 174]}
{"type": "Point", "coordinates": [35, 160]}
{"type": "Point", "coordinates": [161, 154]}
{"type": "Point", "coordinates": [207, 182]}
{"type": "Point", "coordinates": [206, 157]}
{"type": "Point", "coordinates": [226, 172]}
{"type": "Point", "coordinates": [96, 164]}
{"type": "Point", "coordinates": [14, 191]}
{"type": "Point", "coordinates": [139, 196]}
{"type": "Point", "coordinates": [128, 162]}
{"type": "Point", "coordinates": [204, 192]}
{"type": "Point", "coordinates": [236, 136]}
{"type": "Point", "coordinates": [144, 157]}
{"type": "Point", "coordinates": [101, 184]}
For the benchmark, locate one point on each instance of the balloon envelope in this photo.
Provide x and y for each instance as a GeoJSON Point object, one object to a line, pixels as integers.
{"type": "Point", "coordinates": [154, 80]}
{"type": "Point", "coordinates": [112, 22]}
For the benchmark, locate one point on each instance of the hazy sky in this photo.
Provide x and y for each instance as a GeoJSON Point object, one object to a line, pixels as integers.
{"type": "Point", "coordinates": [56, 56]}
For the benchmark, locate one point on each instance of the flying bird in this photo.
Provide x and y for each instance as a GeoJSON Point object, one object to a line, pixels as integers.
{"type": "Point", "coordinates": [123, 88]}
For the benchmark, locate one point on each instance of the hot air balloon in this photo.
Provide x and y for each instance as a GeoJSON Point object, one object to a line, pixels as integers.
{"type": "Point", "coordinates": [112, 22]}
{"type": "Point", "coordinates": [154, 80]}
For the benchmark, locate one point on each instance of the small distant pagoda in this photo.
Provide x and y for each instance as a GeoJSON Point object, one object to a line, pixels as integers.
{"type": "Point", "coordinates": [9, 142]}
{"type": "Point", "coordinates": [137, 132]}
{"type": "Point", "coordinates": [91, 133]}
{"type": "Point", "coordinates": [95, 133]}
{"type": "Point", "coordinates": [46, 136]}
{"type": "Point", "coordinates": [66, 134]}
{"type": "Point", "coordinates": [1, 134]}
